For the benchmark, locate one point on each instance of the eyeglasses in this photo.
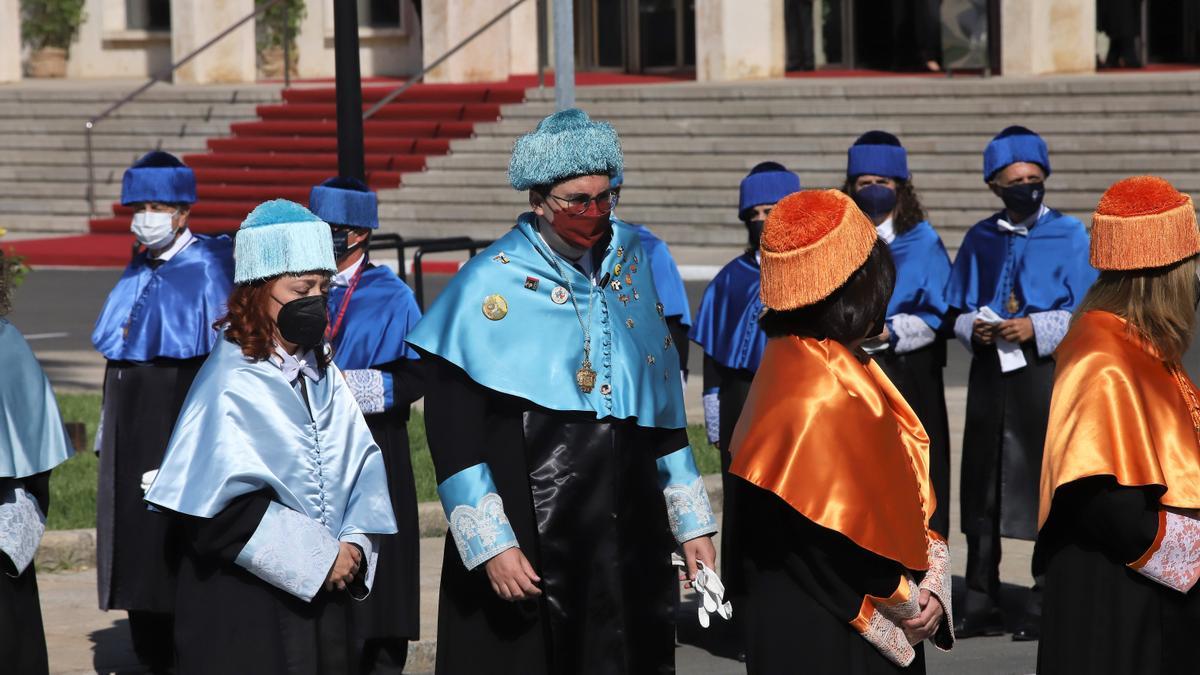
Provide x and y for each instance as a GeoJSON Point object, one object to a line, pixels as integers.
{"type": "Point", "coordinates": [576, 205]}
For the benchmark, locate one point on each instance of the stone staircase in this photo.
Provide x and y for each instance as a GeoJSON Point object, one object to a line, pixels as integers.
{"type": "Point", "coordinates": [687, 145]}
{"type": "Point", "coordinates": [43, 174]}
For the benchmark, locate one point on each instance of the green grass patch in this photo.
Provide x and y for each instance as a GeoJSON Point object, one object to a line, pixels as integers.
{"type": "Point", "coordinates": [73, 484]}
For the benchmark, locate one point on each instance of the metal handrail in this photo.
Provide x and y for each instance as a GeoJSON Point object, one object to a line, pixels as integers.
{"type": "Point", "coordinates": [162, 76]}
{"type": "Point", "coordinates": [391, 96]}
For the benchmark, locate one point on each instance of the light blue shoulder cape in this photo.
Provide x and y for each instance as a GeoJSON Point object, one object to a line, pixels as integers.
{"type": "Point", "coordinates": [244, 428]}
{"type": "Point", "coordinates": [32, 438]}
{"type": "Point", "coordinates": [535, 349]}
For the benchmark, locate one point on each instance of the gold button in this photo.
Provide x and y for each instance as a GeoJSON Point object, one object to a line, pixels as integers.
{"type": "Point", "coordinates": [495, 307]}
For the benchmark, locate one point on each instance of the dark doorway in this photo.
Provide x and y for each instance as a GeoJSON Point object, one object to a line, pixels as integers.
{"type": "Point", "coordinates": [1173, 31]}
{"type": "Point", "coordinates": [635, 36]}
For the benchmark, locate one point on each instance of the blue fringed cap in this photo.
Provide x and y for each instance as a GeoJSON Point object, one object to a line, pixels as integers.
{"type": "Point", "coordinates": [877, 153]}
{"type": "Point", "coordinates": [281, 237]}
{"type": "Point", "coordinates": [1014, 144]}
{"type": "Point", "coordinates": [345, 201]}
{"type": "Point", "coordinates": [767, 183]}
{"type": "Point", "coordinates": [564, 145]}
{"type": "Point", "coordinates": [158, 177]}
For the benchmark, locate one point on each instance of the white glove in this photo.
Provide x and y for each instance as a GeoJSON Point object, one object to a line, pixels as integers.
{"type": "Point", "coordinates": [711, 590]}
{"type": "Point", "coordinates": [148, 480]}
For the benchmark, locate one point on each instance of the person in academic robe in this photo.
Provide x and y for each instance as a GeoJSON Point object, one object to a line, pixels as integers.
{"type": "Point", "coordinates": [1015, 281]}
{"type": "Point", "coordinates": [555, 417]}
{"type": "Point", "coordinates": [371, 311]}
{"type": "Point", "coordinates": [154, 332]}
{"type": "Point", "coordinates": [272, 473]}
{"type": "Point", "coordinates": [841, 571]}
{"type": "Point", "coordinates": [727, 329]}
{"type": "Point", "coordinates": [32, 443]}
{"type": "Point", "coordinates": [913, 349]}
{"type": "Point", "coordinates": [668, 282]}
{"type": "Point", "coordinates": [1120, 492]}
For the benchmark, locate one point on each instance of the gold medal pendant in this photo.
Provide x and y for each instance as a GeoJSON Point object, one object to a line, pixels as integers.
{"type": "Point", "coordinates": [1013, 305]}
{"type": "Point", "coordinates": [585, 377]}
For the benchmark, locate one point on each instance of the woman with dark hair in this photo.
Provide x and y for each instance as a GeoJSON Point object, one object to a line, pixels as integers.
{"type": "Point", "coordinates": [1120, 487]}
{"type": "Point", "coordinates": [912, 350]}
{"type": "Point", "coordinates": [32, 443]}
{"type": "Point", "coordinates": [834, 498]}
{"type": "Point", "coordinates": [277, 483]}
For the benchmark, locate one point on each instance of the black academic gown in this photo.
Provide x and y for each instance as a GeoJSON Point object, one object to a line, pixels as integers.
{"type": "Point", "coordinates": [1007, 415]}
{"type": "Point", "coordinates": [582, 497]}
{"type": "Point", "coordinates": [23, 646]}
{"type": "Point", "coordinates": [230, 621]}
{"type": "Point", "coordinates": [918, 376]}
{"type": "Point", "coordinates": [733, 386]}
{"type": "Point", "coordinates": [1099, 616]}
{"type": "Point", "coordinates": [802, 586]}
{"type": "Point", "coordinates": [136, 551]}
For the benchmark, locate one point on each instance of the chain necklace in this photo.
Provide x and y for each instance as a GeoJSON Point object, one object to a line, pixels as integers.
{"type": "Point", "coordinates": [585, 377]}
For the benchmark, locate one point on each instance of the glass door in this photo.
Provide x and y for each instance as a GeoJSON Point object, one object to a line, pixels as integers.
{"type": "Point", "coordinates": [635, 36]}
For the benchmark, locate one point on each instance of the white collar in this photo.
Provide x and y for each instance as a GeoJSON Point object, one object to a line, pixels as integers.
{"type": "Point", "coordinates": [1022, 228]}
{"type": "Point", "coordinates": [181, 242]}
{"type": "Point", "coordinates": [343, 278]}
{"type": "Point", "coordinates": [292, 366]}
{"type": "Point", "coordinates": [886, 231]}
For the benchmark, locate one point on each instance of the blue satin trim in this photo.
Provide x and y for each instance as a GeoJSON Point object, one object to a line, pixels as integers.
{"type": "Point", "coordinates": [382, 311]}
{"type": "Point", "coordinates": [688, 509]}
{"type": "Point", "coordinates": [1047, 270]}
{"type": "Point", "coordinates": [534, 352]}
{"type": "Point", "coordinates": [726, 324]}
{"type": "Point", "coordinates": [922, 269]}
{"type": "Point", "coordinates": [289, 551]}
{"type": "Point", "coordinates": [667, 281]}
{"type": "Point", "coordinates": [244, 428]}
{"type": "Point", "coordinates": [475, 512]}
{"type": "Point", "coordinates": [169, 311]}
{"type": "Point", "coordinates": [32, 438]}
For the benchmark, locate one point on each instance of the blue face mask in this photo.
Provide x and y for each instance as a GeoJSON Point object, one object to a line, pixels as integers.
{"type": "Point", "coordinates": [875, 200]}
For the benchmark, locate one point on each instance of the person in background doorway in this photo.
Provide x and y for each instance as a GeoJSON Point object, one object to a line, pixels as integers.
{"type": "Point", "coordinates": [1121, 21]}
{"type": "Point", "coordinates": [798, 23]}
{"type": "Point", "coordinates": [1017, 278]}
{"type": "Point", "coordinates": [155, 331]}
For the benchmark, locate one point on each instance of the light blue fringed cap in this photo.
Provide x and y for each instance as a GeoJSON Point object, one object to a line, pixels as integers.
{"type": "Point", "coordinates": [565, 144]}
{"type": "Point", "coordinates": [281, 237]}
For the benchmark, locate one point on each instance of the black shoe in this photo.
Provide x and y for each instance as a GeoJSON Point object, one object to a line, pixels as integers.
{"type": "Point", "coordinates": [1029, 630]}
{"type": "Point", "coordinates": [984, 623]}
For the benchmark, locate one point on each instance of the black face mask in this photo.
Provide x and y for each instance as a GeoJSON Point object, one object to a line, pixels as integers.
{"type": "Point", "coordinates": [1023, 199]}
{"type": "Point", "coordinates": [302, 321]}
{"type": "Point", "coordinates": [341, 244]}
{"type": "Point", "coordinates": [755, 229]}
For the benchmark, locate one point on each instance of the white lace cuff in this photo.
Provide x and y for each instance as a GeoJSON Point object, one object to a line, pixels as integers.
{"type": "Point", "coordinates": [964, 328]}
{"type": "Point", "coordinates": [370, 550]}
{"type": "Point", "coordinates": [878, 621]}
{"type": "Point", "coordinates": [476, 514]}
{"type": "Point", "coordinates": [22, 525]}
{"type": "Point", "coordinates": [937, 582]}
{"type": "Point", "coordinates": [290, 551]}
{"type": "Point", "coordinates": [689, 511]}
{"type": "Point", "coordinates": [712, 415]}
{"type": "Point", "coordinates": [1173, 560]}
{"type": "Point", "coordinates": [1049, 328]}
{"type": "Point", "coordinates": [371, 388]}
{"type": "Point", "coordinates": [911, 333]}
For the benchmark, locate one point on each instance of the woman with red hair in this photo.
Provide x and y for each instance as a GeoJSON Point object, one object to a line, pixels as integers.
{"type": "Point", "coordinates": [1119, 538]}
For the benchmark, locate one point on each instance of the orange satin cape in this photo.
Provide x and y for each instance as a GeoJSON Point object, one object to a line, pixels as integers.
{"type": "Point", "coordinates": [835, 440]}
{"type": "Point", "coordinates": [1117, 410]}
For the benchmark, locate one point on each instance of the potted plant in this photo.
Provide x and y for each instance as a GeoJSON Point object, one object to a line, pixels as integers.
{"type": "Point", "coordinates": [280, 21]}
{"type": "Point", "coordinates": [48, 26]}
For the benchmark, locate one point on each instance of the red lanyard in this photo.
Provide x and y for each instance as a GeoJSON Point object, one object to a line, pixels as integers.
{"type": "Point", "coordinates": [332, 330]}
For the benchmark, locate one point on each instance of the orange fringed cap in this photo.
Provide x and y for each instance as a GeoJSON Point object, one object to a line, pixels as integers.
{"type": "Point", "coordinates": [812, 242]}
{"type": "Point", "coordinates": [1143, 222]}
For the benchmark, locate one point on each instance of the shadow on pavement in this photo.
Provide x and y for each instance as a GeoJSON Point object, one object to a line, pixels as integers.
{"type": "Point", "coordinates": [113, 651]}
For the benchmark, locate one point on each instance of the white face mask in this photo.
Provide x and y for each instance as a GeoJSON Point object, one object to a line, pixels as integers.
{"type": "Point", "coordinates": [152, 228]}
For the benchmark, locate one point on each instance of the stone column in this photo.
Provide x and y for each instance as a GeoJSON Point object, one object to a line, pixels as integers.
{"type": "Point", "coordinates": [10, 40]}
{"type": "Point", "coordinates": [1047, 37]}
{"type": "Point", "coordinates": [739, 40]}
{"type": "Point", "coordinates": [231, 60]}
{"type": "Point", "coordinates": [490, 57]}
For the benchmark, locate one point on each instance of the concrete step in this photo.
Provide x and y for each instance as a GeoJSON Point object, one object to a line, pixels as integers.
{"type": "Point", "coordinates": [138, 110]}
{"type": "Point", "coordinates": [100, 158]}
{"type": "Point", "coordinates": [100, 141]}
{"type": "Point", "coordinates": [93, 91]}
{"type": "Point", "coordinates": [42, 222]}
{"type": "Point", "coordinates": [117, 126]}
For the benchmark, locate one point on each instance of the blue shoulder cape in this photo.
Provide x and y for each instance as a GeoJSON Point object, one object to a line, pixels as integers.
{"type": "Point", "coordinates": [32, 437]}
{"type": "Point", "coordinates": [922, 269]}
{"type": "Point", "coordinates": [244, 428]}
{"type": "Point", "coordinates": [726, 324]}
{"type": "Point", "coordinates": [1046, 270]}
{"type": "Point", "coordinates": [382, 311]}
{"type": "Point", "coordinates": [535, 349]}
{"type": "Point", "coordinates": [167, 312]}
{"type": "Point", "coordinates": [667, 281]}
